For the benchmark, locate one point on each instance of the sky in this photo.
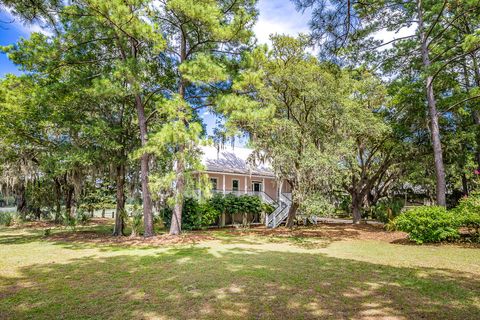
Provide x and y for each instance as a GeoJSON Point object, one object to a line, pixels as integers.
{"type": "Point", "coordinates": [276, 16]}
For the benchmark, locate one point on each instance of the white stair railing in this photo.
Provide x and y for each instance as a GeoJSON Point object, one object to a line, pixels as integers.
{"type": "Point", "coordinates": [281, 212]}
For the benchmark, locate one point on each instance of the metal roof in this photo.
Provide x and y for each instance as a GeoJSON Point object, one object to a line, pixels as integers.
{"type": "Point", "coordinates": [233, 160]}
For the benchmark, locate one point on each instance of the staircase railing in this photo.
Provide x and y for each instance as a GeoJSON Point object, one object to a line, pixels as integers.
{"type": "Point", "coordinates": [281, 212]}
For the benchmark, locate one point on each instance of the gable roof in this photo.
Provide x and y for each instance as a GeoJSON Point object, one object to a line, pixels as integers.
{"type": "Point", "coordinates": [233, 160]}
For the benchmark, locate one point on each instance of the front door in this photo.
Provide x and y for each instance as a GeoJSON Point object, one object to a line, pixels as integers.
{"type": "Point", "coordinates": [256, 186]}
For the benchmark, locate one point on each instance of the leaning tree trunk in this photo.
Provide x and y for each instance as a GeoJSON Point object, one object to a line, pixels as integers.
{"type": "Point", "coordinates": [433, 115]}
{"type": "Point", "coordinates": [147, 202]}
{"type": "Point", "coordinates": [292, 213]}
{"type": "Point", "coordinates": [120, 197]}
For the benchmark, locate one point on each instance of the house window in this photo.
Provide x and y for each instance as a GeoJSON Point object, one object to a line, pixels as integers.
{"type": "Point", "coordinates": [235, 184]}
{"type": "Point", "coordinates": [256, 186]}
{"type": "Point", "coordinates": [213, 182]}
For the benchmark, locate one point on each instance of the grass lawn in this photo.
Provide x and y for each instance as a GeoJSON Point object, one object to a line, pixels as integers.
{"type": "Point", "coordinates": [322, 272]}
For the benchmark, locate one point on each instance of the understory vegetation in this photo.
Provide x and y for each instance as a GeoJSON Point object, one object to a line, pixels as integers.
{"type": "Point", "coordinates": [435, 224]}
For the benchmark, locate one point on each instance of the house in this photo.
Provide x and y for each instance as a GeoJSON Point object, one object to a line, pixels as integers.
{"type": "Point", "coordinates": [232, 170]}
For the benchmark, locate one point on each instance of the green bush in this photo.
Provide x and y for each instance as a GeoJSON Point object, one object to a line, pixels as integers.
{"type": "Point", "coordinates": [428, 224]}
{"type": "Point", "coordinates": [69, 221]}
{"type": "Point", "coordinates": [137, 219]}
{"type": "Point", "coordinates": [6, 218]}
{"type": "Point", "coordinates": [467, 213]}
{"type": "Point", "coordinates": [198, 215]}
{"type": "Point", "coordinates": [387, 209]}
{"type": "Point", "coordinates": [82, 217]}
{"type": "Point", "coordinates": [195, 214]}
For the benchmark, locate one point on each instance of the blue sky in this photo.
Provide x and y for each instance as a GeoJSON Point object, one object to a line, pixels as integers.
{"type": "Point", "coordinates": [276, 16]}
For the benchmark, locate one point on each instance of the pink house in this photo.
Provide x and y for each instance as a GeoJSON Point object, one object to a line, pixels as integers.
{"type": "Point", "coordinates": [233, 170]}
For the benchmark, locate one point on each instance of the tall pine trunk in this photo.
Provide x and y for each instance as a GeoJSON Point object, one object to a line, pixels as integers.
{"type": "Point", "coordinates": [433, 114]}
{"type": "Point", "coordinates": [176, 224]}
{"type": "Point", "coordinates": [120, 199]}
{"type": "Point", "coordinates": [144, 170]}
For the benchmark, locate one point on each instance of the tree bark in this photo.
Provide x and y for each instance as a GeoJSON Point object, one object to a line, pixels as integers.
{"type": "Point", "coordinates": [120, 199]}
{"type": "Point", "coordinates": [58, 199]}
{"type": "Point", "coordinates": [68, 200]}
{"type": "Point", "coordinates": [433, 115]}
{"type": "Point", "coordinates": [144, 170]}
{"type": "Point", "coordinates": [465, 185]}
{"type": "Point", "coordinates": [292, 213]}
{"type": "Point", "coordinates": [21, 199]}
{"type": "Point", "coordinates": [176, 225]}
{"type": "Point", "coordinates": [356, 208]}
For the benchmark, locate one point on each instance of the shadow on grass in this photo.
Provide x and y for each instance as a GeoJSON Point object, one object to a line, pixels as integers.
{"type": "Point", "coordinates": [193, 282]}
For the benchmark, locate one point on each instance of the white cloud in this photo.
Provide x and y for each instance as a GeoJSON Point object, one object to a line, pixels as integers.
{"type": "Point", "coordinates": [388, 36]}
{"type": "Point", "coordinates": [279, 17]}
{"type": "Point", "coordinates": [24, 28]}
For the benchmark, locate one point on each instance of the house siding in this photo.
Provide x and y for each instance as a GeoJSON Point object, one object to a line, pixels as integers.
{"type": "Point", "coordinates": [269, 183]}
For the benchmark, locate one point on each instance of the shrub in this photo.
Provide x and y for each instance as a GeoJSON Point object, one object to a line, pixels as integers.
{"type": "Point", "coordinates": [82, 217]}
{"type": "Point", "coordinates": [467, 213]}
{"type": "Point", "coordinates": [195, 214]}
{"type": "Point", "coordinates": [6, 218]}
{"type": "Point", "coordinates": [137, 218]}
{"type": "Point", "coordinates": [428, 224]}
{"type": "Point", "coordinates": [386, 210]}
{"type": "Point", "coordinates": [70, 221]}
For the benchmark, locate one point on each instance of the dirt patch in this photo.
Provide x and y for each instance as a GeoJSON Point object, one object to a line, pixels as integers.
{"type": "Point", "coordinates": [333, 231]}
{"type": "Point", "coordinates": [52, 224]}
{"type": "Point", "coordinates": [106, 239]}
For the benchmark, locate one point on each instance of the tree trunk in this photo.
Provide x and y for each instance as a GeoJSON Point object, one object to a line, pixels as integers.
{"type": "Point", "coordinates": [292, 213]}
{"type": "Point", "coordinates": [222, 219]}
{"type": "Point", "coordinates": [356, 208]}
{"type": "Point", "coordinates": [68, 200]}
{"type": "Point", "coordinates": [58, 199]}
{"type": "Point", "coordinates": [144, 170]}
{"type": "Point", "coordinates": [476, 116]}
{"type": "Point", "coordinates": [176, 225]}
{"type": "Point", "coordinates": [465, 184]}
{"type": "Point", "coordinates": [433, 114]}
{"type": "Point", "coordinates": [21, 200]}
{"type": "Point", "coordinates": [120, 210]}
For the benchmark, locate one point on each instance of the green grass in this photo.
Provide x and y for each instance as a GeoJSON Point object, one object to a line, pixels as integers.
{"type": "Point", "coordinates": [233, 276]}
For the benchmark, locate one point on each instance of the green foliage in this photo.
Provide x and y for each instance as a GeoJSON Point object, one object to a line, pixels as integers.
{"type": "Point", "coordinates": [6, 218]}
{"type": "Point", "coordinates": [136, 220]}
{"type": "Point", "coordinates": [428, 224]}
{"type": "Point", "coordinates": [82, 217]}
{"type": "Point", "coordinates": [69, 221]}
{"type": "Point", "coordinates": [386, 210]}
{"type": "Point", "coordinates": [195, 214]}
{"type": "Point", "coordinates": [200, 214]}
{"type": "Point", "coordinates": [468, 213]}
